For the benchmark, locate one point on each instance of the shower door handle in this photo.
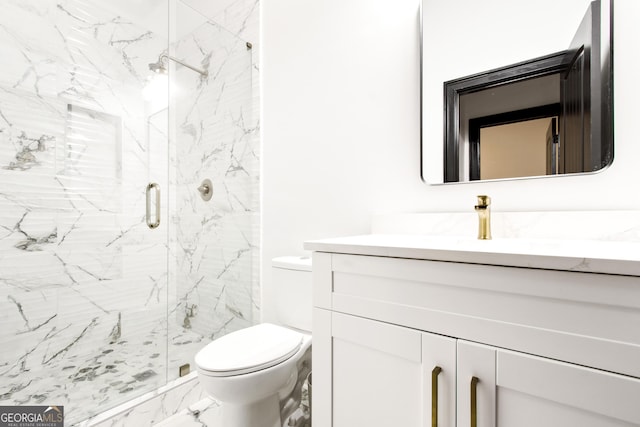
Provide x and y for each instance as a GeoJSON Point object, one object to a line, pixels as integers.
{"type": "Point", "coordinates": [156, 223]}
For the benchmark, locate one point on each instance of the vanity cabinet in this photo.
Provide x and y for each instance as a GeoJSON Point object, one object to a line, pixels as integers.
{"type": "Point", "coordinates": [485, 345]}
{"type": "Point", "coordinates": [382, 374]}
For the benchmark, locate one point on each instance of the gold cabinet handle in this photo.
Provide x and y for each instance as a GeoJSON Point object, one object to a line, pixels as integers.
{"type": "Point", "coordinates": [474, 401]}
{"type": "Point", "coordinates": [434, 395]}
{"type": "Point", "coordinates": [156, 223]}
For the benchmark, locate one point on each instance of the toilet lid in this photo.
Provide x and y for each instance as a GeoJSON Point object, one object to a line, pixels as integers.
{"type": "Point", "coordinates": [248, 350]}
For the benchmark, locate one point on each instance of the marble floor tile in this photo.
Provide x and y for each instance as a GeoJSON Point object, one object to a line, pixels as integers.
{"type": "Point", "coordinates": [205, 413]}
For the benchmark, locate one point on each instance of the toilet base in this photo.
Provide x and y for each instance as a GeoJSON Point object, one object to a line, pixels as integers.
{"type": "Point", "coordinates": [263, 413]}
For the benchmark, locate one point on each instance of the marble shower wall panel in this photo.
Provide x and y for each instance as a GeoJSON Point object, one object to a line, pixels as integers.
{"type": "Point", "coordinates": [83, 281]}
{"type": "Point", "coordinates": [215, 240]}
{"type": "Point", "coordinates": [242, 19]}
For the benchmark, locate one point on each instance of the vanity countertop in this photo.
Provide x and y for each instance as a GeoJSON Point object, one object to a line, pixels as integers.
{"type": "Point", "coordinates": [590, 256]}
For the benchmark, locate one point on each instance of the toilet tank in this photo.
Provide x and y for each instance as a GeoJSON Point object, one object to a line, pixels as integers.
{"type": "Point", "coordinates": [291, 281]}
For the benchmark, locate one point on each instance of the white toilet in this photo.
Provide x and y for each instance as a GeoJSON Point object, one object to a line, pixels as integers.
{"type": "Point", "coordinates": [252, 370]}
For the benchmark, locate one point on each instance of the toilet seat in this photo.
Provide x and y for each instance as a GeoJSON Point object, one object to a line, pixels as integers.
{"type": "Point", "coordinates": [248, 350]}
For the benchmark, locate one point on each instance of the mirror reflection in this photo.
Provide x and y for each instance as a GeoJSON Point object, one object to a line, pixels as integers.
{"type": "Point", "coordinates": [512, 129]}
{"type": "Point", "coordinates": [549, 115]}
{"type": "Point", "coordinates": [524, 148]}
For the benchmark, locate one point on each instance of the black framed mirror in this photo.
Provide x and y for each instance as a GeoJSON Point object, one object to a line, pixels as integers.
{"type": "Point", "coordinates": [549, 115]}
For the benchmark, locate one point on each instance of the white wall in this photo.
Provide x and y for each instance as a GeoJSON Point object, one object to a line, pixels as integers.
{"type": "Point", "coordinates": [341, 127]}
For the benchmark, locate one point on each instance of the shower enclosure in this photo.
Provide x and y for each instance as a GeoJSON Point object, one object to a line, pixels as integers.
{"type": "Point", "coordinates": [113, 270]}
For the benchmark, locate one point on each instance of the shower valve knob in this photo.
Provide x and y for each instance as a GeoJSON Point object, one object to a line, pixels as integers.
{"type": "Point", "coordinates": [206, 190]}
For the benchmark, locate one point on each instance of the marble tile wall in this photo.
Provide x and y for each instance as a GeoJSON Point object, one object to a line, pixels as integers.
{"type": "Point", "coordinates": [216, 242]}
{"type": "Point", "coordinates": [242, 19]}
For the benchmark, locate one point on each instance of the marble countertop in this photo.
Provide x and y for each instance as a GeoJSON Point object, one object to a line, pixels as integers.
{"type": "Point", "coordinates": [590, 256]}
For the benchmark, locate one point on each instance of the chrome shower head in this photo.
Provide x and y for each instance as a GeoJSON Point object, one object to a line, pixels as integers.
{"type": "Point", "coordinates": [159, 67]}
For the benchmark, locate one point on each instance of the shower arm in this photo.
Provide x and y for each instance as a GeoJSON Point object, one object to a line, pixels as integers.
{"type": "Point", "coordinates": [184, 64]}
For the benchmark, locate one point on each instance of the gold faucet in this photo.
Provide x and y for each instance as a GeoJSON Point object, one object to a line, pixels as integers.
{"type": "Point", "coordinates": [484, 216]}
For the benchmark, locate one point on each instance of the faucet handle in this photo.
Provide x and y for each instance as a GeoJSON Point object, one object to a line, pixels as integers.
{"type": "Point", "coordinates": [484, 201]}
{"type": "Point", "coordinates": [206, 190]}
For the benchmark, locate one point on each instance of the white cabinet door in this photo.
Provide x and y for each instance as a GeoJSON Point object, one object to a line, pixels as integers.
{"type": "Point", "coordinates": [383, 375]}
{"type": "Point", "coordinates": [439, 379]}
{"type": "Point", "coordinates": [376, 374]}
{"type": "Point", "coordinates": [497, 387]}
{"type": "Point", "coordinates": [476, 385]}
{"type": "Point", "coordinates": [533, 391]}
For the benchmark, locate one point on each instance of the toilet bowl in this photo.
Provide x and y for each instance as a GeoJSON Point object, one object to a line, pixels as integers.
{"type": "Point", "coordinates": [252, 371]}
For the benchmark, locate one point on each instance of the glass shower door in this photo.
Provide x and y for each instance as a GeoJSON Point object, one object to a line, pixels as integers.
{"type": "Point", "coordinates": [83, 279]}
